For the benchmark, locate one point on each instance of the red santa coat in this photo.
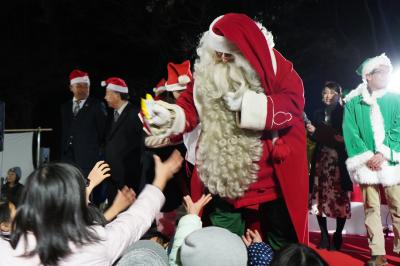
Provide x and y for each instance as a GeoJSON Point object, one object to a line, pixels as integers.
{"type": "Point", "coordinates": [283, 108]}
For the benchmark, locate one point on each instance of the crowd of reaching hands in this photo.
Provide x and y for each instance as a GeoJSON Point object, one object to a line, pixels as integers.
{"type": "Point", "coordinates": [36, 232]}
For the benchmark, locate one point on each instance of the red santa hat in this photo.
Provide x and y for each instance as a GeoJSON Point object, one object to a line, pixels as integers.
{"type": "Point", "coordinates": [115, 84]}
{"type": "Point", "coordinates": [179, 75]}
{"type": "Point", "coordinates": [160, 87]}
{"type": "Point", "coordinates": [78, 76]}
{"type": "Point", "coordinates": [232, 32]}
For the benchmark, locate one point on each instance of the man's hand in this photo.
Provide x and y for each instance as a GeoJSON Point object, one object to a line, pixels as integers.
{"type": "Point", "coordinates": [376, 161]}
{"type": "Point", "coordinates": [195, 208]}
{"type": "Point", "coordinates": [233, 101]}
{"type": "Point", "coordinates": [251, 237]}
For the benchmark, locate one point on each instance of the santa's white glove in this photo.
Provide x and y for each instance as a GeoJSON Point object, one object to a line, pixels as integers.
{"type": "Point", "coordinates": [159, 115]}
{"type": "Point", "coordinates": [233, 101]}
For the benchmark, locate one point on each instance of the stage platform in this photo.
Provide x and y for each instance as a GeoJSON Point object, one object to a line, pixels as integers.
{"type": "Point", "coordinates": [354, 252]}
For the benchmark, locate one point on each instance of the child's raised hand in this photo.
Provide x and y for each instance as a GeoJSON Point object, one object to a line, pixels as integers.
{"type": "Point", "coordinates": [195, 208]}
{"type": "Point", "coordinates": [164, 171]}
{"type": "Point", "coordinates": [251, 237]}
{"type": "Point", "coordinates": [99, 172]}
{"type": "Point", "coordinates": [125, 198]}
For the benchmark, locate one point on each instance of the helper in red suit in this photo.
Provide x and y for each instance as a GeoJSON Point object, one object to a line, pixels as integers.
{"type": "Point", "coordinates": [179, 75]}
{"type": "Point", "coordinates": [252, 149]}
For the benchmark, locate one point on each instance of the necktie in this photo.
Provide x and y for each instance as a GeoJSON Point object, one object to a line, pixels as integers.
{"type": "Point", "coordinates": [76, 107]}
{"type": "Point", "coordinates": [116, 115]}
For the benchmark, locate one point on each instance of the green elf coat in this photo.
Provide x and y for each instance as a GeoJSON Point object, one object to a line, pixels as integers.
{"type": "Point", "coordinates": [372, 124]}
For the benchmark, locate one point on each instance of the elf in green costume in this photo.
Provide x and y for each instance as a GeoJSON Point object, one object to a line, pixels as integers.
{"type": "Point", "coordinates": [371, 129]}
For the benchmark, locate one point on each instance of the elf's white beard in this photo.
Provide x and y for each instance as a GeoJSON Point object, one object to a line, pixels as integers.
{"type": "Point", "coordinates": [227, 156]}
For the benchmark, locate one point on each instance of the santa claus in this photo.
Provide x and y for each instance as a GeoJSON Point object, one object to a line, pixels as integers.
{"type": "Point", "coordinates": [251, 153]}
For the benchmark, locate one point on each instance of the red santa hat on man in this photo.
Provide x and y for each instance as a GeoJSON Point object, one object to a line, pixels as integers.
{"type": "Point", "coordinates": [233, 33]}
{"type": "Point", "coordinates": [239, 34]}
{"type": "Point", "coordinates": [115, 84]}
{"type": "Point", "coordinates": [78, 76]}
{"type": "Point", "coordinates": [179, 75]}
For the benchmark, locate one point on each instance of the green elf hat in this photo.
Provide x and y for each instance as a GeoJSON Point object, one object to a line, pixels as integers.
{"type": "Point", "coordinates": [373, 63]}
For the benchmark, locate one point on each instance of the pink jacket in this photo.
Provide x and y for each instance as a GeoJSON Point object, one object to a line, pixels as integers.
{"type": "Point", "coordinates": [116, 236]}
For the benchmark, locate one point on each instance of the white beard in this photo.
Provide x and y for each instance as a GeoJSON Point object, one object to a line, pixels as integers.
{"type": "Point", "coordinates": [227, 156]}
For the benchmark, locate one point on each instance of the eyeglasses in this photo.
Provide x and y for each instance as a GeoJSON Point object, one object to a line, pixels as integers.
{"type": "Point", "coordinates": [380, 72]}
{"type": "Point", "coordinates": [225, 57]}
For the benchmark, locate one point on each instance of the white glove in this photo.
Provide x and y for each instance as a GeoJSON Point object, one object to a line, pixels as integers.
{"type": "Point", "coordinates": [233, 101]}
{"type": "Point", "coordinates": [159, 115]}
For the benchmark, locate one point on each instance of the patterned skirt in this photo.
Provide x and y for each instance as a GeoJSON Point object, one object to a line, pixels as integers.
{"type": "Point", "coordinates": [331, 200]}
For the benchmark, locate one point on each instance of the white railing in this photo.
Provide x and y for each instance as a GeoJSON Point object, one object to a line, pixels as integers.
{"type": "Point", "coordinates": [38, 130]}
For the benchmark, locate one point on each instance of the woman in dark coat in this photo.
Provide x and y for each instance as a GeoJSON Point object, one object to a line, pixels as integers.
{"type": "Point", "coordinates": [12, 189]}
{"type": "Point", "coordinates": [330, 183]}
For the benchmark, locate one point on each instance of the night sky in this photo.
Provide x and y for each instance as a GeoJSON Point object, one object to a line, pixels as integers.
{"type": "Point", "coordinates": [43, 40]}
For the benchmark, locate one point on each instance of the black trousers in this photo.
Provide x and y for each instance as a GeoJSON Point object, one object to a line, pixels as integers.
{"type": "Point", "coordinates": [276, 224]}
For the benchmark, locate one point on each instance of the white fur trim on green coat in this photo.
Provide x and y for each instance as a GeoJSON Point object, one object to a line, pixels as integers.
{"type": "Point", "coordinates": [372, 124]}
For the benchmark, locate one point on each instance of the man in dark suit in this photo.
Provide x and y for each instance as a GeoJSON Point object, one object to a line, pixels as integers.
{"type": "Point", "coordinates": [124, 140]}
{"type": "Point", "coordinates": [83, 125]}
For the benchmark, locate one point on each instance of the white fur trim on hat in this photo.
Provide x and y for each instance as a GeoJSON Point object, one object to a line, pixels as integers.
{"type": "Point", "coordinates": [267, 34]}
{"type": "Point", "coordinates": [84, 79]}
{"type": "Point", "coordinates": [183, 79]}
{"type": "Point", "coordinates": [159, 90]}
{"type": "Point", "coordinates": [175, 87]}
{"type": "Point", "coordinates": [221, 44]}
{"type": "Point", "coordinates": [271, 44]}
{"type": "Point", "coordinates": [374, 63]}
{"type": "Point", "coordinates": [217, 42]}
{"type": "Point", "coordinates": [181, 85]}
{"type": "Point", "coordinates": [117, 88]}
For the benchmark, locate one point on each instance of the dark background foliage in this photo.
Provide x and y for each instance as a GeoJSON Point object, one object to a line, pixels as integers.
{"type": "Point", "coordinates": [43, 40]}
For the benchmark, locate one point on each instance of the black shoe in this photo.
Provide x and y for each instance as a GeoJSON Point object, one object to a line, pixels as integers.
{"type": "Point", "coordinates": [337, 241]}
{"type": "Point", "coordinates": [324, 243]}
